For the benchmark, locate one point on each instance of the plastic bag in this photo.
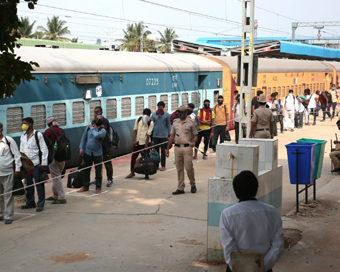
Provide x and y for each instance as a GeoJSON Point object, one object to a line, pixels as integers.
{"type": "Point", "coordinates": [212, 143]}
{"type": "Point", "coordinates": [227, 136]}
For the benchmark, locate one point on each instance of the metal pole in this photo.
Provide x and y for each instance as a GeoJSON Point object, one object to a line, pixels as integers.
{"type": "Point", "coordinates": [246, 64]}
{"type": "Point", "coordinates": [297, 180]}
{"type": "Point", "coordinates": [306, 194]}
{"type": "Point", "coordinates": [314, 190]}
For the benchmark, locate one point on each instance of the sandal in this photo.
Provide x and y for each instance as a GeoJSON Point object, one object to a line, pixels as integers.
{"type": "Point", "coordinates": [50, 198]}
{"type": "Point", "coordinates": [130, 175]}
{"type": "Point", "coordinates": [8, 221]}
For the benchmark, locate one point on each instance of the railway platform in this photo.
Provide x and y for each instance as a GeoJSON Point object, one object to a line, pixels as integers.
{"type": "Point", "coordinates": [138, 225]}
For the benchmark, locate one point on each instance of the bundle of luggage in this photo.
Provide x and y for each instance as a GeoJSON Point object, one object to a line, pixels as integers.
{"type": "Point", "coordinates": [147, 165]}
{"type": "Point", "coordinates": [75, 177]}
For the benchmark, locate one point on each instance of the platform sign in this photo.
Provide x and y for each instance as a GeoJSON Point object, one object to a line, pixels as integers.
{"type": "Point", "coordinates": [266, 49]}
{"type": "Point", "coordinates": [183, 48]}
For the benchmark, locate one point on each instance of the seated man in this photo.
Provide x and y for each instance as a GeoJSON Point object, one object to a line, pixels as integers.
{"type": "Point", "coordinates": [336, 152]}
{"type": "Point", "coordinates": [250, 225]}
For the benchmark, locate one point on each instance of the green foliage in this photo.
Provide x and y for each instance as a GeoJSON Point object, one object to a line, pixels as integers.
{"type": "Point", "coordinates": [132, 38]}
{"type": "Point", "coordinates": [55, 29]}
{"type": "Point", "coordinates": [26, 29]}
{"type": "Point", "coordinates": [166, 38]}
{"type": "Point", "coordinates": [13, 71]}
{"type": "Point", "coordinates": [74, 40]}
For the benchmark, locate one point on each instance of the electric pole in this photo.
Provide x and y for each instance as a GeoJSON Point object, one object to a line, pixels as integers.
{"type": "Point", "coordinates": [246, 67]}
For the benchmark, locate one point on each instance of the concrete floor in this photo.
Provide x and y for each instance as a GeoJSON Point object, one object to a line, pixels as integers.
{"type": "Point", "coordinates": [138, 225]}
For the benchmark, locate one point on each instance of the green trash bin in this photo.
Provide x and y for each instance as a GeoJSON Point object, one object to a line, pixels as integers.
{"type": "Point", "coordinates": [320, 151]}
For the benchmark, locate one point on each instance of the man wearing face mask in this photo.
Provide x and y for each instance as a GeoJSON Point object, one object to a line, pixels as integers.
{"type": "Point", "coordinates": [206, 117]}
{"type": "Point", "coordinates": [289, 105]}
{"type": "Point", "coordinates": [221, 120]}
{"type": "Point", "coordinates": [334, 92]}
{"type": "Point", "coordinates": [184, 132]}
{"type": "Point", "coordinates": [29, 146]}
{"type": "Point", "coordinates": [93, 153]}
{"type": "Point", "coordinates": [9, 153]}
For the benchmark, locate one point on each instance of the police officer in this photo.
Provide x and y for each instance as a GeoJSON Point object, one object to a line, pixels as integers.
{"type": "Point", "coordinates": [262, 121]}
{"type": "Point", "coordinates": [184, 132]}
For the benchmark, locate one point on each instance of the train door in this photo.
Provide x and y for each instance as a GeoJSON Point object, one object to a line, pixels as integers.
{"type": "Point", "coordinates": [202, 90]}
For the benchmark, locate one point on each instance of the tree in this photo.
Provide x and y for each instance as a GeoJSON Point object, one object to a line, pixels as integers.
{"type": "Point", "coordinates": [74, 40]}
{"type": "Point", "coordinates": [166, 39]}
{"type": "Point", "coordinates": [132, 38]}
{"type": "Point", "coordinates": [26, 29]}
{"type": "Point", "coordinates": [13, 71]}
{"type": "Point", "coordinates": [55, 29]}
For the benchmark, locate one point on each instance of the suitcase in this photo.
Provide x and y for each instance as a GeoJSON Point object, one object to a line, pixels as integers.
{"type": "Point", "coordinates": [145, 166]}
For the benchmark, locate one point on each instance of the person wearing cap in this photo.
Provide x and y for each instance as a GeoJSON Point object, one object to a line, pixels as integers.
{"type": "Point", "coordinates": [262, 121]}
{"type": "Point", "coordinates": [56, 167]}
{"type": "Point", "coordinates": [274, 107]}
{"type": "Point", "coordinates": [29, 146]}
{"type": "Point", "coordinates": [184, 132]}
{"type": "Point", "coordinates": [9, 153]}
{"type": "Point", "coordinates": [290, 107]}
{"type": "Point", "coordinates": [336, 152]}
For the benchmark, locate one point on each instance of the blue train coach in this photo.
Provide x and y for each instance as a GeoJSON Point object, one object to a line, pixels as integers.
{"type": "Point", "coordinates": [72, 82]}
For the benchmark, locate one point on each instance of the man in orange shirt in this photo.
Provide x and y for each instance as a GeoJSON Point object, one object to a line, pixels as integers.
{"type": "Point", "coordinates": [221, 120]}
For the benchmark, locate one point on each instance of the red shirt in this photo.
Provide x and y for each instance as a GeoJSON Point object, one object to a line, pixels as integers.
{"type": "Point", "coordinates": [51, 135]}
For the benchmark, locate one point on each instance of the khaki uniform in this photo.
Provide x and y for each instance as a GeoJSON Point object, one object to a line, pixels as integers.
{"type": "Point", "coordinates": [262, 117]}
{"type": "Point", "coordinates": [334, 156]}
{"type": "Point", "coordinates": [183, 155]}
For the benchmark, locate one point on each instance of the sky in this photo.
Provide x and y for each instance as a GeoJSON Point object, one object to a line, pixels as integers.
{"type": "Point", "coordinates": [92, 20]}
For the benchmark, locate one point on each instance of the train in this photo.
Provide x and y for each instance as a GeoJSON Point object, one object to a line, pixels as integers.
{"type": "Point", "coordinates": [72, 82]}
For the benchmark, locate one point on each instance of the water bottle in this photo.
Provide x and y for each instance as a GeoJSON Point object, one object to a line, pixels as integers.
{"type": "Point", "coordinates": [55, 146]}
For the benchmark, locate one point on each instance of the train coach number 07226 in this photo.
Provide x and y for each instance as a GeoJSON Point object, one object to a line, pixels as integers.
{"type": "Point", "coordinates": [152, 81]}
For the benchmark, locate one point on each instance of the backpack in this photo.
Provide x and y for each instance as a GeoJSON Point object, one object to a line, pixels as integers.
{"type": "Point", "coordinates": [50, 147]}
{"type": "Point", "coordinates": [63, 153]}
{"type": "Point", "coordinates": [329, 96]}
{"type": "Point", "coordinates": [145, 165]}
{"type": "Point", "coordinates": [113, 137]}
{"type": "Point", "coordinates": [75, 177]}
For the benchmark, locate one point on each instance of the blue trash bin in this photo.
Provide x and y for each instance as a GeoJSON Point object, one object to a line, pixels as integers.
{"type": "Point", "coordinates": [306, 162]}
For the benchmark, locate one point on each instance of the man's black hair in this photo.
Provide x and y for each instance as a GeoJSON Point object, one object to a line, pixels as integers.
{"type": "Point", "coordinates": [276, 93]}
{"type": "Point", "coordinates": [245, 185]}
{"type": "Point", "coordinates": [191, 105]}
{"type": "Point", "coordinates": [206, 100]}
{"type": "Point", "coordinates": [147, 111]}
{"type": "Point", "coordinates": [1, 125]}
{"type": "Point", "coordinates": [337, 122]}
{"type": "Point", "coordinates": [220, 96]}
{"type": "Point", "coordinates": [307, 91]}
{"type": "Point", "coordinates": [273, 95]}
{"type": "Point", "coordinates": [258, 93]}
{"type": "Point", "coordinates": [99, 108]}
{"type": "Point", "coordinates": [161, 103]}
{"type": "Point", "coordinates": [290, 91]}
{"type": "Point", "coordinates": [29, 120]}
{"type": "Point", "coordinates": [237, 96]}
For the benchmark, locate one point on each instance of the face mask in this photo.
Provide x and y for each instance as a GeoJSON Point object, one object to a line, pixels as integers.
{"type": "Point", "coordinates": [181, 115]}
{"type": "Point", "coordinates": [189, 112]}
{"type": "Point", "coordinates": [333, 88]}
{"type": "Point", "coordinates": [206, 106]}
{"type": "Point", "coordinates": [99, 122]}
{"type": "Point", "coordinates": [25, 127]}
{"type": "Point", "coordinates": [220, 102]}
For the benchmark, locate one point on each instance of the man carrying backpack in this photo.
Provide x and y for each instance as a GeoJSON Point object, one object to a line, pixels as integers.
{"type": "Point", "coordinates": [334, 97]}
{"type": "Point", "coordinates": [221, 120]}
{"type": "Point", "coordinates": [30, 142]}
{"type": "Point", "coordinates": [323, 99]}
{"type": "Point", "coordinates": [56, 167]}
{"type": "Point", "coordinates": [141, 138]}
{"type": "Point", "coordinates": [290, 107]}
{"type": "Point", "coordinates": [9, 153]}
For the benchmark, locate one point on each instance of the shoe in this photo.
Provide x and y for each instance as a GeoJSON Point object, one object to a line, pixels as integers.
{"type": "Point", "coordinates": [336, 170]}
{"type": "Point", "coordinates": [82, 190]}
{"type": "Point", "coordinates": [292, 130]}
{"type": "Point", "coordinates": [61, 201]}
{"type": "Point", "coordinates": [314, 124]}
{"type": "Point", "coordinates": [130, 175]}
{"type": "Point", "coordinates": [93, 182]}
{"type": "Point", "coordinates": [163, 169]}
{"type": "Point", "coordinates": [306, 124]}
{"type": "Point", "coordinates": [8, 221]}
{"type": "Point", "coordinates": [285, 129]}
{"type": "Point", "coordinates": [147, 177]}
{"type": "Point", "coordinates": [275, 135]}
{"type": "Point", "coordinates": [98, 191]}
{"type": "Point", "coordinates": [323, 121]}
{"type": "Point", "coordinates": [109, 183]}
{"type": "Point", "coordinates": [39, 209]}
{"type": "Point", "coordinates": [178, 192]}
{"type": "Point", "coordinates": [50, 198]}
{"type": "Point", "coordinates": [193, 189]}
{"type": "Point", "coordinates": [32, 206]}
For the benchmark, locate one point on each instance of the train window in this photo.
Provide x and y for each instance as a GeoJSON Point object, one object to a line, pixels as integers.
{"type": "Point", "coordinates": [295, 89]}
{"type": "Point", "coordinates": [279, 91]}
{"type": "Point", "coordinates": [111, 108]}
{"type": "Point", "coordinates": [126, 107]}
{"type": "Point", "coordinates": [300, 89]}
{"type": "Point", "coordinates": [317, 87]}
{"type": "Point", "coordinates": [269, 91]}
{"type": "Point", "coordinates": [152, 101]}
{"type": "Point", "coordinates": [283, 92]}
{"type": "Point", "coordinates": [139, 105]}
{"type": "Point", "coordinates": [313, 90]}
{"type": "Point", "coordinates": [14, 117]}
{"type": "Point", "coordinates": [253, 92]}
{"type": "Point", "coordinates": [38, 113]}
{"type": "Point", "coordinates": [78, 112]}
{"type": "Point", "coordinates": [274, 89]}
{"type": "Point", "coordinates": [174, 102]}
{"type": "Point", "coordinates": [194, 99]}
{"type": "Point", "coordinates": [216, 94]}
{"type": "Point", "coordinates": [185, 99]}
{"type": "Point", "coordinates": [94, 104]}
{"type": "Point", "coordinates": [59, 110]}
{"type": "Point", "coordinates": [164, 98]}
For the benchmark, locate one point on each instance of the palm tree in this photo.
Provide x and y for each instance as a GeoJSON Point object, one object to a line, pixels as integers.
{"type": "Point", "coordinates": [132, 38]}
{"type": "Point", "coordinates": [25, 30]}
{"type": "Point", "coordinates": [74, 40]}
{"type": "Point", "coordinates": [55, 29]}
{"type": "Point", "coordinates": [166, 39]}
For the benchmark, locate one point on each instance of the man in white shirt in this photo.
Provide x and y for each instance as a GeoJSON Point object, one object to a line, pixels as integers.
{"type": "Point", "coordinates": [8, 154]}
{"type": "Point", "coordinates": [290, 108]}
{"type": "Point", "coordinates": [300, 109]}
{"type": "Point", "coordinates": [29, 146]}
{"type": "Point", "coordinates": [141, 135]}
{"type": "Point", "coordinates": [236, 110]}
{"type": "Point", "coordinates": [251, 226]}
{"type": "Point", "coordinates": [311, 108]}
